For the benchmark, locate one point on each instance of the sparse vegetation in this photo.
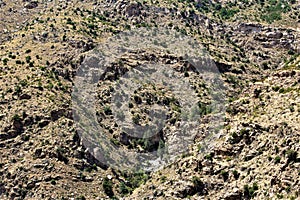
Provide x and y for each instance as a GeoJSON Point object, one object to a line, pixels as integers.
{"type": "Point", "coordinates": [250, 191]}
{"type": "Point", "coordinates": [253, 46]}
{"type": "Point", "coordinates": [108, 187]}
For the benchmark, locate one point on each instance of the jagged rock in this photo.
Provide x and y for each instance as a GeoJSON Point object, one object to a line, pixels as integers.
{"type": "Point", "coordinates": [31, 4]}
{"type": "Point", "coordinates": [235, 194]}
{"type": "Point", "coordinates": [43, 123]}
{"type": "Point", "coordinates": [28, 121]}
{"type": "Point", "coordinates": [249, 28]}
{"type": "Point", "coordinates": [133, 10]}
{"type": "Point", "coordinates": [38, 153]}
{"type": "Point", "coordinates": [25, 96]}
{"type": "Point", "coordinates": [1, 5]}
{"type": "Point", "coordinates": [18, 125]}
{"type": "Point", "coordinates": [124, 139]}
{"type": "Point", "coordinates": [63, 73]}
{"type": "Point", "coordinates": [4, 136]}
{"type": "Point", "coordinates": [223, 67]}
{"type": "Point", "coordinates": [56, 114]}
{"type": "Point", "coordinates": [275, 35]}
{"type": "Point", "coordinates": [85, 45]}
{"type": "Point", "coordinates": [45, 34]}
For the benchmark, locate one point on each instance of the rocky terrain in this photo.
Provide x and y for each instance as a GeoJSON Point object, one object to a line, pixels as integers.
{"type": "Point", "coordinates": [255, 45]}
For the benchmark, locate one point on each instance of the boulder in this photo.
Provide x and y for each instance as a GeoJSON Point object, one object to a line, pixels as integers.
{"type": "Point", "coordinates": [274, 35]}
{"type": "Point", "coordinates": [31, 4]}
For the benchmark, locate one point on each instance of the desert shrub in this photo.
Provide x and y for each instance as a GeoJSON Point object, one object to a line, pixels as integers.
{"type": "Point", "coordinates": [276, 88]}
{"type": "Point", "coordinates": [281, 90]}
{"type": "Point", "coordinates": [198, 183]}
{"type": "Point", "coordinates": [274, 10]}
{"type": "Point", "coordinates": [28, 58]}
{"type": "Point", "coordinates": [16, 117]}
{"type": "Point", "coordinates": [124, 189]}
{"type": "Point", "coordinates": [291, 155]}
{"type": "Point", "coordinates": [5, 60]}
{"type": "Point", "coordinates": [163, 179]}
{"type": "Point", "coordinates": [12, 56]}
{"type": "Point", "coordinates": [209, 156]}
{"type": "Point", "coordinates": [250, 191]}
{"type": "Point", "coordinates": [81, 197]}
{"type": "Point", "coordinates": [133, 180]}
{"type": "Point", "coordinates": [226, 13]}
{"type": "Point", "coordinates": [107, 110]}
{"type": "Point", "coordinates": [236, 175]}
{"type": "Point", "coordinates": [108, 187]}
{"type": "Point", "coordinates": [277, 159]}
{"type": "Point", "coordinates": [18, 89]}
{"type": "Point", "coordinates": [225, 175]}
{"type": "Point", "coordinates": [235, 138]}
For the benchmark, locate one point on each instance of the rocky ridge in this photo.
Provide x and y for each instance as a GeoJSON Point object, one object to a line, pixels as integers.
{"type": "Point", "coordinates": [257, 153]}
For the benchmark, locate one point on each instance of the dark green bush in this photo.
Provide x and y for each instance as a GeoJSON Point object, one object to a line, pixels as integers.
{"type": "Point", "coordinates": [277, 159]}
{"type": "Point", "coordinates": [108, 187]}
{"type": "Point", "coordinates": [28, 58]}
{"type": "Point", "coordinates": [250, 191]}
{"type": "Point", "coordinates": [291, 155]}
{"type": "Point", "coordinates": [124, 189]}
{"type": "Point", "coordinates": [5, 60]}
{"type": "Point", "coordinates": [225, 175]}
{"type": "Point", "coordinates": [236, 175]}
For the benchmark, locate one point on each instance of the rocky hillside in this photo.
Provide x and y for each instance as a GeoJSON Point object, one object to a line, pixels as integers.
{"type": "Point", "coordinates": [255, 46]}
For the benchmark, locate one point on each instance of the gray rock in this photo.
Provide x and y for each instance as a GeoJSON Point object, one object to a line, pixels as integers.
{"type": "Point", "coordinates": [45, 34]}
{"type": "Point", "coordinates": [25, 96]}
{"type": "Point", "coordinates": [44, 123]}
{"type": "Point", "coordinates": [274, 35]}
{"type": "Point", "coordinates": [56, 114]}
{"type": "Point", "coordinates": [31, 4]}
{"type": "Point", "coordinates": [235, 194]}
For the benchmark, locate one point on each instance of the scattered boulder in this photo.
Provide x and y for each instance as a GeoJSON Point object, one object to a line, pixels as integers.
{"type": "Point", "coordinates": [274, 35]}
{"type": "Point", "coordinates": [235, 194]}
{"type": "Point", "coordinates": [44, 123]}
{"type": "Point", "coordinates": [133, 10]}
{"type": "Point", "coordinates": [25, 96]}
{"type": "Point", "coordinates": [18, 125]}
{"type": "Point", "coordinates": [31, 4]}
{"type": "Point", "coordinates": [56, 114]}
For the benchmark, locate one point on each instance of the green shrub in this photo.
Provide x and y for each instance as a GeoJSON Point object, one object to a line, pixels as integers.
{"type": "Point", "coordinates": [16, 117]}
{"type": "Point", "coordinates": [18, 89]}
{"type": "Point", "coordinates": [133, 180]}
{"type": "Point", "coordinates": [124, 189]}
{"type": "Point", "coordinates": [208, 157]}
{"type": "Point", "coordinates": [274, 10]}
{"type": "Point", "coordinates": [281, 90]}
{"type": "Point", "coordinates": [163, 179]}
{"type": "Point", "coordinates": [236, 175]}
{"type": "Point", "coordinates": [224, 175]}
{"type": "Point", "coordinates": [227, 13]}
{"type": "Point", "coordinates": [81, 197]}
{"type": "Point", "coordinates": [250, 191]}
{"type": "Point", "coordinates": [277, 159]}
{"type": "Point", "coordinates": [291, 155]}
{"type": "Point", "coordinates": [198, 183]}
{"type": "Point", "coordinates": [276, 88]}
{"type": "Point", "coordinates": [53, 182]}
{"type": "Point", "coordinates": [5, 60]}
{"type": "Point", "coordinates": [107, 110]}
{"type": "Point", "coordinates": [28, 58]}
{"type": "Point", "coordinates": [108, 187]}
